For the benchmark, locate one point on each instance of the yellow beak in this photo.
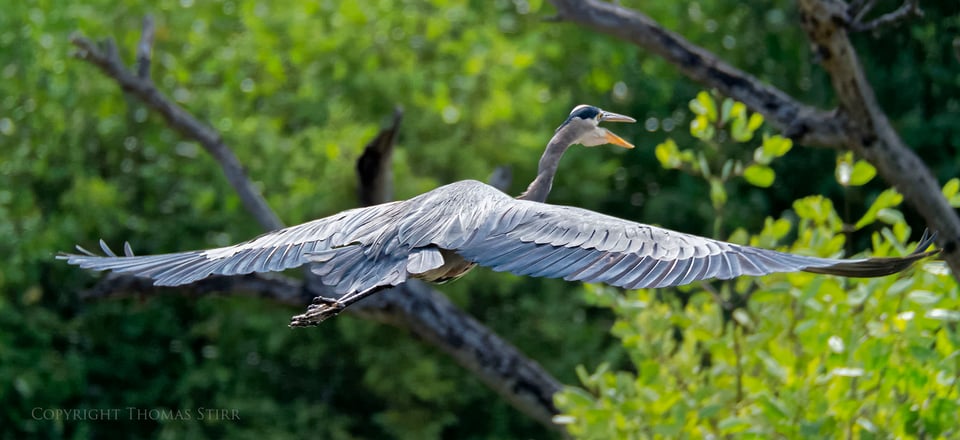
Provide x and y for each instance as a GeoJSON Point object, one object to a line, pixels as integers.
{"type": "Point", "coordinates": [617, 140]}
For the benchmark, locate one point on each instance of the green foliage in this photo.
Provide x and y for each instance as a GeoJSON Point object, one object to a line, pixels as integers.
{"type": "Point", "coordinates": [850, 173]}
{"type": "Point", "coordinates": [786, 355]}
{"type": "Point", "coordinates": [724, 136]}
{"type": "Point", "coordinates": [297, 88]}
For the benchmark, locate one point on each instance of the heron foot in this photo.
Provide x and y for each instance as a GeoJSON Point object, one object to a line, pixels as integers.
{"type": "Point", "coordinates": [318, 312]}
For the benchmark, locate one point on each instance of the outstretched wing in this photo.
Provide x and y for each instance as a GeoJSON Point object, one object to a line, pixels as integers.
{"type": "Point", "coordinates": [575, 244]}
{"type": "Point", "coordinates": [381, 245]}
{"type": "Point", "coordinates": [273, 251]}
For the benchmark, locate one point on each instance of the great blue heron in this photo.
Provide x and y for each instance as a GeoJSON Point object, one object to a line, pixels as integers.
{"type": "Point", "coordinates": [442, 234]}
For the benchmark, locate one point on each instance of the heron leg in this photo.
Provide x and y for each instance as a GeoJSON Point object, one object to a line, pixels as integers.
{"type": "Point", "coordinates": [324, 308]}
{"type": "Point", "coordinates": [324, 300]}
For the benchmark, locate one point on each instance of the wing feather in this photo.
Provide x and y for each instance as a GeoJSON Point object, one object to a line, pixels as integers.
{"type": "Point", "coordinates": [278, 250]}
{"type": "Point", "coordinates": [623, 267]}
{"type": "Point", "coordinates": [591, 247]}
{"type": "Point", "coordinates": [377, 246]}
{"type": "Point", "coordinates": [675, 271]}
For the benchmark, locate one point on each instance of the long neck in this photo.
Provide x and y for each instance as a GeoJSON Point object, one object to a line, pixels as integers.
{"type": "Point", "coordinates": [540, 187]}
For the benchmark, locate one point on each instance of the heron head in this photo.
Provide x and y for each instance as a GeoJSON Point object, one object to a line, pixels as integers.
{"type": "Point", "coordinates": [584, 121]}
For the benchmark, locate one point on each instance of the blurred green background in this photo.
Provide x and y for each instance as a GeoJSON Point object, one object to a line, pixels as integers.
{"type": "Point", "coordinates": [297, 88]}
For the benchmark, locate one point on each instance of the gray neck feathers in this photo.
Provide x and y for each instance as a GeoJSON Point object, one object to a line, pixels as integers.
{"type": "Point", "coordinates": [540, 187]}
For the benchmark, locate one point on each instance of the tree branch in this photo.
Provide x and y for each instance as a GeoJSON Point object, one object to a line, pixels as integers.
{"type": "Point", "coordinates": [110, 64]}
{"type": "Point", "coordinates": [274, 287]}
{"type": "Point", "coordinates": [500, 365]}
{"type": "Point", "coordinates": [859, 9]}
{"type": "Point", "coordinates": [870, 133]}
{"type": "Point", "coordinates": [909, 9]}
{"type": "Point", "coordinates": [374, 173]}
{"type": "Point", "coordinates": [412, 306]}
{"type": "Point", "coordinates": [433, 318]}
{"type": "Point", "coordinates": [859, 124]}
{"type": "Point", "coordinates": [800, 122]}
{"type": "Point", "coordinates": [144, 47]}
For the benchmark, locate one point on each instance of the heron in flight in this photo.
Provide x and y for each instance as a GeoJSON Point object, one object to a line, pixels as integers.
{"type": "Point", "coordinates": [442, 234]}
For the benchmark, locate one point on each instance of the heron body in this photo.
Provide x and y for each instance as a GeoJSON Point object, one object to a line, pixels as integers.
{"type": "Point", "coordinates": [442, 234]}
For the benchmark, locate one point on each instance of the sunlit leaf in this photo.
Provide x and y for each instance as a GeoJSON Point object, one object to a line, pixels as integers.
{"type": "Point", "coordinates": [844, 169]}
{"type": "Point", "coordinates": [759, 175]}
{"type": "Point", "coordinates": [862, 173]}
{"type": "Point", "coordinates": [847, 372]}
{"type": "Point", "coordinates": [756, 120]}
{"type": "Point", "coordinates": [776, 146]}
{"type": "Point", "coordinates": [701, 128]}
{"type": "Point", "coordinates": [890, 216]}
{"type": "Point", "coordinates": [887, 199]}
{"type": "Point", "coordinates": [738, 129]}
{"type": "Point", "coordinates": [951, 190]}
{"type": "Point", "coordinates": [923, 297]}
{"type": "Point", "coordinates": [704, 105]}
{"type": "Point", "coordinates": [943, 315]}
{"type": "Point", "coordinates": [668, 154]}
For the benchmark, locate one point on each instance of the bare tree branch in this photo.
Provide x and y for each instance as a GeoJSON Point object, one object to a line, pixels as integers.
{"type": "Point", "coordinates": [110, 64]}
{"type": "Point", "coordinates": [413, 306]}
{"type": "Point", "coordinates": [860, 9]}
{"type": "Point", "coordinates": [274, 287]}
{"type": "Point", "coordinates": [374, 173]}
{"type": "Point", "coordinates": [909, 9]}
{"type": "Point", "coordinates": [798, 121]}
{"type": "Point", "coordinates": [144, 47]}
{"type": "Point", "coordinates": [870, 133]}
{"type": "Point", "coordinates": [500, 365]}
{"type": "Point", "coordinates": [859, 124]}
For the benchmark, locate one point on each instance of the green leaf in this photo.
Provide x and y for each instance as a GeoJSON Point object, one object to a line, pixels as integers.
{"type": "Point", "coordinates": [704, 105]}
{"type": "Point", "coordinates": [668, 154]}
{"type": "Point", "coordinates": [923, 297]}
{"type": "Point", "coordinates": [702, 165]}
{"type": "Point", "coordinates": [741, 316]}
{"type": "Point", "coordinates": [733, 425]}
{"type": "Point", "coordinates": [862, 173]}
{"type": "Point", "coordinates": [701, 128]}
{"type": "Point", "coordinates": [738, 129]}
{"type": "Point", "coordinates": [756, 120]}
{"type": "Point", "coordinates": [951, 187]}
{"type": "Point", "coordinates": [761, 157]}
{"type": "Point", "coordinates": [725, 109]}
{"type": "Point", "coordinates": [759, 175]}
{"type": "Point", "coordinates": [952, 192]}
{"type": "Point", "coordinates": [943, 315]}
{"type": "Point", "coordinates": [819, 209]}
{"type": "Point", "coordinates": [776, 146]}
{"type": "Point", "coordinates": [890, 216]}
{"type": "Point", "coordinates": [773, 408]}
{"type": "Point", "coordinates": [718, 194]}
{"type": "Point", "coordinates": [727, 168]}
{"type": "Point", "coordinates": [886, 199]}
